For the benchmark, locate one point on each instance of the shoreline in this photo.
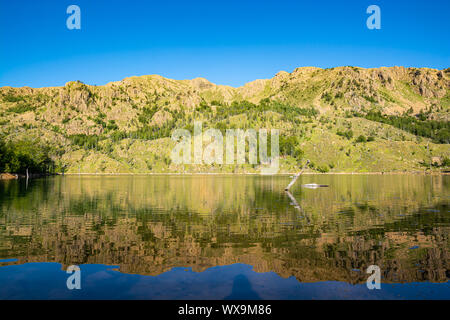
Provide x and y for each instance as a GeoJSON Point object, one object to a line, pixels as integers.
{"type": "Point", "coordinates": [255, 173]}
{"type": "Point", "coordinates": [11, 176]}
{"type": "Point", "coordinates": [16, 176]}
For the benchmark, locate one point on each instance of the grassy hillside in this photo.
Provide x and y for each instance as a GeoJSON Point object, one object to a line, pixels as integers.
{"type": "Point", "coordinates": [342, 119]}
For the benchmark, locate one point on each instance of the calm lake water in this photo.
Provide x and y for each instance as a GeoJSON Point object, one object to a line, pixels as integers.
{"type": "Point", "coordinates": [225, 237]}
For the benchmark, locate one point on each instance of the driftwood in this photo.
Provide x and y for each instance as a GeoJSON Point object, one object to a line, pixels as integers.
{"type": "Point", "coordinates": [296, 177]}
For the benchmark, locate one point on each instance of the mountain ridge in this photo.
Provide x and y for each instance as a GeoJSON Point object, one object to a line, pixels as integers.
{"type": "Point", "coordinates": [235, 87]}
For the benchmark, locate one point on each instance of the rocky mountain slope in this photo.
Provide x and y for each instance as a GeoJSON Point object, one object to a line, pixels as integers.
{"type": "Point", "coordinates": [342, 119]}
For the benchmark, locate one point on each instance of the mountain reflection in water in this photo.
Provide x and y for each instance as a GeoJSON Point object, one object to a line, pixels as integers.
{"type": "Point", "coordinates": [238, 236]}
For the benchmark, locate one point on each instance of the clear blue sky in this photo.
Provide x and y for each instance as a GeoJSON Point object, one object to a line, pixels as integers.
{"type": "Point", "coordinates": [228, 42]}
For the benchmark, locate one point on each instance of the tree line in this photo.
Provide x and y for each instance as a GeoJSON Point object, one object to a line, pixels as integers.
{"type": "Point", "coordinates": [18, 156]}
{"type": "Point", "coordinates": [438, 131]}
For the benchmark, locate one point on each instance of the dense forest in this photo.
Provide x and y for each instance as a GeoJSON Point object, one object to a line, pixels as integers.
{"type": "Point", "coordinates": [438, 131]}
{"type": "Point", "coordinates": [19, 156]}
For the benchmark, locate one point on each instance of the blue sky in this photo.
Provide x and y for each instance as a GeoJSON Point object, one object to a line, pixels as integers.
{"type": "Point", "coordinates": [228, 42]}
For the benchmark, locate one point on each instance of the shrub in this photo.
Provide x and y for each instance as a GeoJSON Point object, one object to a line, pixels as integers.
{"type": "Point", "coordinates": [21, 108]}
{"type": "Point", "coordinates": [112, 125]}
{"type": "Point", "coordinates": [66, 119]}
{"type": "Point", "coordinates": [147, 114]}
{"type": "Point", "coordinates": [13, 98]}
{"type": "Point", "coordinates": [347, 134]}
{"type": "Point", "coordinates": [360, 139]}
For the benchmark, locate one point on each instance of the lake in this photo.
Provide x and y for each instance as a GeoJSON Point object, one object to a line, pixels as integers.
{"type": "Point", "coordinates": [225, 237]}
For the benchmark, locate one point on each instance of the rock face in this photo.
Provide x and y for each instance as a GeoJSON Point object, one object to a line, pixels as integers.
{"type": "Point", "coordinates": [436, 160]}
{"type": "Point", "coordinates": [148, 107]}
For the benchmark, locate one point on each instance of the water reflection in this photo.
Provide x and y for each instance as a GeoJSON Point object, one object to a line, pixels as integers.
{"type": "Point", "coordinates": [242, 289]}
{"type": "Point", "coordinates": [148, 225]}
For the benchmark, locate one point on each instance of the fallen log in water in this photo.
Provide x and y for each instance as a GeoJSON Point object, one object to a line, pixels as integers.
{"type": "Point", "coordinates": [296, 177]}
